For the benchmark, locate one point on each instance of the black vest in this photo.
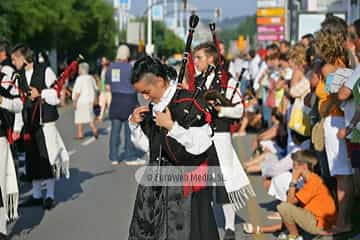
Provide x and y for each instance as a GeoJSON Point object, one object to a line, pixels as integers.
{"type": "Point", "coordinates": [31, 111]}
{"type": "Point", "coordinates": [172, 151]}
{"type": "Point", "coordinates": [218, 124]}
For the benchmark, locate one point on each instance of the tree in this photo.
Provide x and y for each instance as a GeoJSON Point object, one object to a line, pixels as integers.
{"type": "Point", "coordinates": [166, 41]}
{"type": "Point", "coordinates": [245, 28]}
{"type": "Point", "coordinates": [5, 20]}
{"type": "Point", "coordinates": [69, 26]}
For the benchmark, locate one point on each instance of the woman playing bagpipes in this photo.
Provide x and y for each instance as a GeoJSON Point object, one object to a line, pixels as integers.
{"type": "Point", "coordinates": [173, 137]}
{"type": "Point", "coordinates": [46, 155]}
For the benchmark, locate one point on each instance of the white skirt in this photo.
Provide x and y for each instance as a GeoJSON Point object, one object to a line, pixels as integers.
{"type": "Point", "coordinates": [8, 184]}
{"type": "Point", "coordinates": [84, 113]}
{"type": "Point", "coordinates": [339, 163]}
{"type": "Point", "coordinates": [58, 155]}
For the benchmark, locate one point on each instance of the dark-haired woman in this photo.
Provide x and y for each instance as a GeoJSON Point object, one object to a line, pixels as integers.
{"type": "Point", "coordinates": [173, 138]}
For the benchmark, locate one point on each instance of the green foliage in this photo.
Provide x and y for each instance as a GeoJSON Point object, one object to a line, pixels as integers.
{"type": "Point", "coordinates": [245, 28]}
{"type": "Point", "coordinates": [70, 26]}
{"type": "Point", "coordinates": [166, 41]}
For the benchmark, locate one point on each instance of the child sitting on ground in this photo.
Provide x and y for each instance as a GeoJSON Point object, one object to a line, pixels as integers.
{"type": "Point", "coordinates": [312, 208]}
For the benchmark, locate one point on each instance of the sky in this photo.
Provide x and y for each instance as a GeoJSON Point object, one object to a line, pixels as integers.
{"type": "Point", "coordinates": [230, 8]}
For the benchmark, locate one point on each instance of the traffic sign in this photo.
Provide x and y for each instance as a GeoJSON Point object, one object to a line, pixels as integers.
{"type": "Point", "coordinates": [157, 13]}
{"type": "Point", "coordinates": [270, 3]}
{"type": "Point", "coordinates": [270, 12]}
{"type": "Point", "coordinates": [272, 37]}
{"type": "Point", "coordinates": [270, 20]}
{"type": "Point", "coordinates": [125, 4]}
{"type": "Point", "coordinates": [270, 29]}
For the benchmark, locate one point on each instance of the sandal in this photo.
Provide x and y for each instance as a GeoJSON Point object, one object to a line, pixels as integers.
{"type": "Point", "coordinates": [249, 228]}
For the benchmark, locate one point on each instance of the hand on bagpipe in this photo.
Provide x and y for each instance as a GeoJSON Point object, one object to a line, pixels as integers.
{"type": "Point", "coordinates": [215, 98]}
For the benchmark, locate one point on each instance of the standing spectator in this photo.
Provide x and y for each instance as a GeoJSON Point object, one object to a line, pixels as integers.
{"type": "Point", "coordinates": [284, 47]}
{"type": "Point", "coordinates": [307, 40]}
{"type": "Point", "coordinates": [83, 97]}
{"type": "Point", "coordinates": [330, 42]}
{"type": "Point", "coordinates": [124, 100]}
{"type": "Point", "coordinates": [105, 95]}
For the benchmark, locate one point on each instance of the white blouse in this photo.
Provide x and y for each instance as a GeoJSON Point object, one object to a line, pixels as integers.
{"type": "Point", "coordinates": [189, 138]}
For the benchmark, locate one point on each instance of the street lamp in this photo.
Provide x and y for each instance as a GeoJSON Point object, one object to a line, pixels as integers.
{"type": "Point", "coordinates": [149, 49]}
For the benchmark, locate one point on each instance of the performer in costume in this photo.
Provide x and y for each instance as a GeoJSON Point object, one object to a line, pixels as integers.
{"type": "Point", "coordinates": [46, 155]}
{"type": "Point", "coordinates": [237, 184]}
{"type": "Point", "coordinates": [10, 103]}
{"type": "Point", "coordinates": [170, 212]}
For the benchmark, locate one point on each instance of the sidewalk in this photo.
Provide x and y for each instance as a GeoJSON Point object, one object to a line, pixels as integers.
{"type": "Point", "coordinates": [260, 207]}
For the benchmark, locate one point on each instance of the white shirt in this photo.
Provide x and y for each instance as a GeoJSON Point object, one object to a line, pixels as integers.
{"type": "Point", "coordinates": [236, 67]}
{"type": "Point", "coordinates": [13, 105]}
{"type": "Point", "coordinates": [262, 70]}
{"type": "Point", "coordinates": [189, 138]}
{"type": "Point", "coordinates": [85, 85]}
{"type": "Point", "coordinates": [49, 95]}
{"type": "Point", "coordinates": [254, 67]}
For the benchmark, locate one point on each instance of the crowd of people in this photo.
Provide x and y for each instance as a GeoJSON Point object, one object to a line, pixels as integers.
{"type": "Point", "coordinates": [301, 99]}
{"type": "Point", "coordinates": [305, 97]}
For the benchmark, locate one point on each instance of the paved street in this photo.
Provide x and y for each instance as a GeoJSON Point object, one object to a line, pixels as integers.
{"type": "Point", "coordinates": [96, 203]}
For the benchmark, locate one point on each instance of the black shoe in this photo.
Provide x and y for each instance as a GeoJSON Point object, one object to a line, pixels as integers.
{"type": "Point", "coordinates": [229, 234]}
{"type": "Point", "coordinates": [31, 202]}
{"type": "Point", "coordinates": [3, 236]}
{"type": "Point", "coordinates": [49, 204]}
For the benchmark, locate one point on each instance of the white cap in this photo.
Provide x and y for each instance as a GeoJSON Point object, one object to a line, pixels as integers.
{"type": "Point", "coordinates": [123, 52]}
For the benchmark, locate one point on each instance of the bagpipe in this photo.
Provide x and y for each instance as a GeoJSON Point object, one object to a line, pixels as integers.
{"type": "Point", "coordinates": [222, 73]}
{"type": "Point", "coordinates": [194, 108]}
{"type": "Point", "coordinates": [214, 96]}
{"type": "Point", "coordinates": [193, 22]}
{"type": "Point", "coordinates": [66, 74]}
{"type": "Point", "coordinates": [59, 84]}
{"type": "Point", "coordinates": [219, 99]}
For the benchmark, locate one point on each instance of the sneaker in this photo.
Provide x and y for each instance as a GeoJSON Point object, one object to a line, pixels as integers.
{"type": "Point", "coordinates": [49, 203]}
{"type": "Point", "coordinates": [282, 236]}
{"type": "Point", "coordinates": [229, 234]}
{"type": "Point", "coordinates": [31, 202]}
{"type": "Point", "coordinates": [114, 163]}
{"type": "Point", "coordinates": [136, 162]}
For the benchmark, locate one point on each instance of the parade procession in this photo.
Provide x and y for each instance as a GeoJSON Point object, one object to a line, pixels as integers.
{"type": "Point", "coordinates": [179, 119]}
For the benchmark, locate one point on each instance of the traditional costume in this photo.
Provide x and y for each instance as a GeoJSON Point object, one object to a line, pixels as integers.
{"type": "Point", "coordinates": [10, 104]}
{"type": "Point", "coordinates": [46, 155]}
{"type": "Point", "coordinates": [170, 212]}
{"type": "Point", "coordinates": [237, 185]}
